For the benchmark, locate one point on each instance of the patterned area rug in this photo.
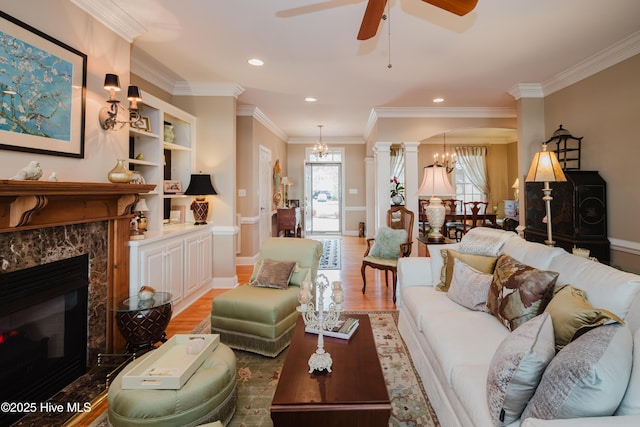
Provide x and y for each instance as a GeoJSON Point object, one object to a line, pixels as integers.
{"type": "Point", "coordinates": [331, 254]}
{"type": "Point", "coordinates": [258, 377]}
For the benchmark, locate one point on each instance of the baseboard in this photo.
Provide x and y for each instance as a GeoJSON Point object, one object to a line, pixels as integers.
{"type": "Point", "coordinates": [224, 282]}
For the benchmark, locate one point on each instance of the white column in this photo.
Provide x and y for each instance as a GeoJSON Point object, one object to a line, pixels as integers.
{"type": "Point", "coordinates": [370, 196]}
{"type": "Point", "coordinates": [382, 203]}
{"type": "Point", "coordinates": [411, 184]}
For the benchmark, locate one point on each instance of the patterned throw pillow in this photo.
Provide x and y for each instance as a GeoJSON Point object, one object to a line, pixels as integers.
{"type": "Point", "coordinates": [274, 274]}
{"type": "Point", "coordinates": [469, 287]}
{"type": "Point", "coordinates": [573, 315]}
{"type": "Point", "coordinates": [387, 243]}
{"type": "Point", "coordinates": [484, 264]}
{"type": "Point", "coordinates": [298, 275]}
{"type": "Point", "coordinates": [516, 368]}
{"type": "Point", "coordinates": [519, 292]}
{"type": "Point", "coordinates": [587, 378]}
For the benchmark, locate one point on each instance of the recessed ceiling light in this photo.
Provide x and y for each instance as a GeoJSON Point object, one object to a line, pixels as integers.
{"type": "Point", "coordinates": [310, 99]}
{"type": "Point", "coordinates": [438, 99]}
{"type": "Point", "coordinates": [255, 61]}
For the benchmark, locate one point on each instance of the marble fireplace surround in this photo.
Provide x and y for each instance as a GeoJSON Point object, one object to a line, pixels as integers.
{"type": "Point", "coordinates": [42, 222]}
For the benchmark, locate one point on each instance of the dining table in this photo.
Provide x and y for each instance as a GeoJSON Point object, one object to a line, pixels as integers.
{"type": "Point", "coordinates": [490, 220]}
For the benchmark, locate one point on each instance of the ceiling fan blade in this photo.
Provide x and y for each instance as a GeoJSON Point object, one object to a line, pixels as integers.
{"type": "Point", "coordinates": [459, 7]}
{"type": "Point", "coordinates": [371, 20]}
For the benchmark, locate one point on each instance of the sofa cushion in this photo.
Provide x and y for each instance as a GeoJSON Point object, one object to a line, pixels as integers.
{"type": "Point", "coordinates": [534, 254]}
{"type": "Point", "coordinates": [469, 383]}
{"type": "Point", "coordinates": [469, 287]}
{"type": "Point", "coordinates": [462, 338]}
{"type": "Point", "coordinates": [298, 275]}
{"type": "Point", "coordinates": [425, 300]}
{"type": "Point", "coordinates": [630, 404]}
{"type": "Point", "coordinates": [274, 274]}
{"type": "Point", "coordinates": [484, 264]}
{"type": "Point", "coordinates": [516, 368]}
{"type": "Point", "coordinates": [519, 292]}
{"type": "Point", "coordinates": [573, 315]}
{"type": "Point", "coordinates": [387, 243]}
{"type": "Point", "coordinates": [605, 287]}
{"type": "Point", "coordinates": [587, 378]}
{"type": "Point", "coordinates": [484, 241]}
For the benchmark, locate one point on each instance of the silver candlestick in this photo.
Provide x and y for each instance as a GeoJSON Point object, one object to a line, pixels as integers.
{"type": "Point", "coordinates": [320, 320]}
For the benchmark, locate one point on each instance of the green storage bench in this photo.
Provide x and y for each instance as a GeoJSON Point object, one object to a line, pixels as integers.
{"type": "Point", "coordinates": [262, 319]}
{"type": "Point", "coordinates": [209, 395]}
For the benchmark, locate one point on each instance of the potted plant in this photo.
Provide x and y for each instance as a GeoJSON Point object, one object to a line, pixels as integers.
{"type": "Point", "coordinates": [397, 191]}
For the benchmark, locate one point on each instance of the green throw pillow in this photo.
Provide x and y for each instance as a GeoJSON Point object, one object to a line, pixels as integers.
{"type": "Point", "coordinates": [387, 243]}
{"type": "Point", "coordinates": [573, 315]}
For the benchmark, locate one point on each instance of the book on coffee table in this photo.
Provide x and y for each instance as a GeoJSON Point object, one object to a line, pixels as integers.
{"type": "Point", "coordinates": [344, 329]}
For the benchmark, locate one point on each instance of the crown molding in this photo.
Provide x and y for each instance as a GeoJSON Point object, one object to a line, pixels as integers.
{"type": "Point", "coordinates": [152, 74]}
{"type": "Point", "coordinates": [256, 113]}
{"type": "Point", "coordinates": [526, 90]}
{"type": "Point", "coordinates": [113, 17]}
{"type": "Point", "coordinates": [614, 54]}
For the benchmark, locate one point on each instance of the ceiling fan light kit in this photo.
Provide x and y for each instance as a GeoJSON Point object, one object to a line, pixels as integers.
{"type": "Point", "coordinates": [375, 10]}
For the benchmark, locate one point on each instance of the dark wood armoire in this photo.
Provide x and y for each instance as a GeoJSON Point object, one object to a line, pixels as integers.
{"type": "Point", "coordinates": [578, 213]}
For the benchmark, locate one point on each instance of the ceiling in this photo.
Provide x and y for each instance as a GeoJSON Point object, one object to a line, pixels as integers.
{"type": "Point", "coordinates": [310, 49]}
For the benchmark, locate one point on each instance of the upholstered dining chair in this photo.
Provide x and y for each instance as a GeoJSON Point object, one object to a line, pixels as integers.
{"type": "Point", "coordinates": [474, 215]}
{"type": "Point", "coordinates": [260, 316]}
{"type": "Point", "coordinates": [391, 243]}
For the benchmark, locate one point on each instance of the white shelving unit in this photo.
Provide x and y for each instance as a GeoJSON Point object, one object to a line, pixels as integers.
{"type": "Point", "coordinates": [151, 145]}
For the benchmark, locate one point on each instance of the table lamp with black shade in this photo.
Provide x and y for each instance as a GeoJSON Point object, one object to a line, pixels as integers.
{"type": "Point", "coordinates": [200, 186]}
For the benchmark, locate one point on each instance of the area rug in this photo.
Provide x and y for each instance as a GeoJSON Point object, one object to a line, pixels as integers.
{"type": "Point", "coordinates": [331, 254]}
{"type": "Point", "coordinates": [258, 377]}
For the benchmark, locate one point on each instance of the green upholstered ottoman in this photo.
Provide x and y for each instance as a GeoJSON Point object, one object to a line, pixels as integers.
{"type": "Point", "coordinates": [210, 394]}
{"type": "Point", "coordinates": [260, 319]}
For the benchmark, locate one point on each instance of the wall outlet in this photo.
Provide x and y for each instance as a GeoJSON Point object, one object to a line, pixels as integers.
{"type": "Point", "coordinates": [353, 191]}
{"type": "Point", "coordinates": [242, 192]}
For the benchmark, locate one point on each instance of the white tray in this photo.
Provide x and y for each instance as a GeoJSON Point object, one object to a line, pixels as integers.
{"type": "Point", "coordinates": [169, 366]}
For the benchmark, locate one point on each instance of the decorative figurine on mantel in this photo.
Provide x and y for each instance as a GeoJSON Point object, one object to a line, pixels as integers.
{"type": "Point", "coordinates": [31, 172]}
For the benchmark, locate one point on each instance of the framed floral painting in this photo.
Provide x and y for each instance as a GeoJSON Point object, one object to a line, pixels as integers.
{"type": "Point", "coordinates": [42, 92]}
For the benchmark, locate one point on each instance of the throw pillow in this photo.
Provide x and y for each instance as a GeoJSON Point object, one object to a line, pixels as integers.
{"type": "Point", "coordinates": [484, 264]}
{"type": "Point", "coordinates": [573, 315]}
{"type": "Point", "coordinates": [298, 275]}
{"type": "Point", "coordinates": [519, 292]}
{"type": "Point", "coordinates": [387, 243]}
{"type": "Point", "coordinates": [274, 274]}
{"type": "Point", "coordinates": [516, 368]}
{"type": "Point", "coordinates": [469, 287]}
{"type": "Point", "coordinates": [587, 378]}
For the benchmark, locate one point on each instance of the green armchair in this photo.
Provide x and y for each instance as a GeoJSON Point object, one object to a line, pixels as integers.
{"type": "Point", "coordinates": [261, 319]}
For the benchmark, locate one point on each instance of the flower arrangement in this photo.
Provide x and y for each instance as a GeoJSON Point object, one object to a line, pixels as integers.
{"type": "Point", "coordinates": [397, 189]}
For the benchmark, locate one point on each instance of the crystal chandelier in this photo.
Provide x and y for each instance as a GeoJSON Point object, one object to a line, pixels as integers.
{"type": "Point", "coordinates": [320, 149]}
{"type": "Point", "coordinates": [447, 162]}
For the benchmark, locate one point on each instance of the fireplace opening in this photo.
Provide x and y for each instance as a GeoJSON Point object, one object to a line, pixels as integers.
{"type": "Point", "coordinates": [43, 330]}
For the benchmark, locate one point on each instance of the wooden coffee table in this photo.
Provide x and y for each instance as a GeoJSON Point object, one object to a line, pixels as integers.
{"type": "Point", "coordinates": [353, 394]}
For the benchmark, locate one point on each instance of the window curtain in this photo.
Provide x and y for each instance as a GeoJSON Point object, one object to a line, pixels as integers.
{"type": "Point", "coordinates": [474, 163]}
{"type": "Point", "coordinates": [397, 162]}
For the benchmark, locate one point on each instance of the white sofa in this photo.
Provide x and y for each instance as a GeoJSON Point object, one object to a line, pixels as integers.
{"type": "Point", "coordinates": [452, 346]}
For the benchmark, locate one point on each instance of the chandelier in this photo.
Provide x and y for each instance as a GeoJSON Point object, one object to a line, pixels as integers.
{"type": "Point", "coordinates": [447, 162]}
{"type": "Point", "coordinates": [320, 149]}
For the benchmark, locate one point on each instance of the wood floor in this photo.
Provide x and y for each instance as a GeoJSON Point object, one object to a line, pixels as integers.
{"type": "Point", "coordinates": [377, 296]}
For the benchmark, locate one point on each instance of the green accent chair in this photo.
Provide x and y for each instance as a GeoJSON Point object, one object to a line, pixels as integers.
{"type": "Point", "coordinates": [259, 319]}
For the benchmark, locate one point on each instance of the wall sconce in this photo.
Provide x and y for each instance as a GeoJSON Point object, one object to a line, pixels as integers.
{"type": "Point", "coordinates": [108, 116]}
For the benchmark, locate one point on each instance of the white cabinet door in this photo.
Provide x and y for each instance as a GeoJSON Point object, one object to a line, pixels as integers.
{"type": "Point", "coordinates": [152, 271]}
{"type": "Point", "coordinates": [198, 261]}
{"type": "Point", "coordinates": [174, 265]}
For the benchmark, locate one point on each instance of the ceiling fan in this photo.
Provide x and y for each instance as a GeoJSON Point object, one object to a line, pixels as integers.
{"type": "Point", "coordinates": [375, 9]}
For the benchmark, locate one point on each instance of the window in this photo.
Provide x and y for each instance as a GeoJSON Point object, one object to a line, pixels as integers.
{"type": "Point", "coordinates": [465, 190]}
